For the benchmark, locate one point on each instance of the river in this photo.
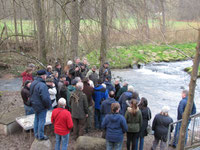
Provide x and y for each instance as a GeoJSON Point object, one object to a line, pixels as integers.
{"type": "Point", "coordinates": [161, 83]}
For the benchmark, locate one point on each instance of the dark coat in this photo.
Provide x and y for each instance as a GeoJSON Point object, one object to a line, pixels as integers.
{"type": "Point", "coordinates": [39, 96]}
{"type": "Point", "coordinates": [25, 93]}
{"type": "Point", "coordinates": [115, 125]}
{"type": "Point", "coordinates": [104, 72]}
{"type": "Point", "coordinates": [94, 77]}
{"type": "Point", "coordinates": [106, 105]}
{"type": "Point", "coordinates": [160, 126]}
{"type": "Point", "coordinates": [117, 88]}
{"type": "Point", "coordinates": [122, 101]}
{"type": "Point", "coordinates": [121, 91]}
{"type": "Point", "coordinates": [89, 92]}
{"type": "Point", "coordinates": [109, 86]}
{"type": "Point", "coordinates": [181, 108]}
{"type": "Point", "coordinates": [146, 116]}
{"type": "Point", "coordinates": [79, 104]}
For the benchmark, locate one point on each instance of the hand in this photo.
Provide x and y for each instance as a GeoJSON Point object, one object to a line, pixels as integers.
{"type": "Point", "coordinates": [77, 69]}
{"type": "Point", "coordinates": [53, 84]}
{"type": "Point", "coordinates": [86, 115]}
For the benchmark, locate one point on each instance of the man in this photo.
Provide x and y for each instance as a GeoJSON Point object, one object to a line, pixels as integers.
{"type": "Point", "coordinates": [79, 106]}
{"type": "Point", "coordinates": [106, 105]}
{"type": "Point", "coordinates": [104, 72]}
{"type": "Point", "coordinates": [100, 94]}
{"type": "Point", "coordinates": [62, 121]}
{"type": "Point", "coordinates": [122, 90]}
{"type": "Point", "coordinates": [109, 85]}
{"type": "Point", "coordinates": [117, 87]}
{"type": "Point", "coordinates": [124, 97]}
{"type": "Point", "coordinates": [181, 109]}
{"type": "Point", "coordinates": [60, 85]}
{"type": "Point", "coordinates": [41, 102]}
{"type": "Point", "coordinates": [58, 68]}
{"type": "Point", "coordinates": [93, 75]}
{"type": "Point", "coordinates": [75, 69]}
{"type": "Point", "coordinates": [89, 92]}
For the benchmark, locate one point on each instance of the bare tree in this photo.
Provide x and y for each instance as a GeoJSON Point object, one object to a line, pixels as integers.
{"type": "Point", "coordinates": [40, 30]}
{"type": "Point", "coordinates": [15, 23]}
{"type": "Point", "coordinates": [104, 32]}
{"type": "Point", "coordinates": [190, 101]}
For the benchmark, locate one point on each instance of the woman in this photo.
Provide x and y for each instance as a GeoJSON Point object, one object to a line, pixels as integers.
{"type": "Point", "coordinates": [62, 121]}
{"type": "Point", "coordinates": [115, 126]}
{"type": "Point", "coordinates": [160, 126]}
{"type": "Point", "coordinates": [25, 93]}
{"type": "Point", "coordinates": [146, 116]}
{"type": "Point", "coordinates": [134, 120]}
{"type": "Point", "coordinates": [27, 75]}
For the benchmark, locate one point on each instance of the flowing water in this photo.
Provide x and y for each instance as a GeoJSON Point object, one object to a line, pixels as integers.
{"type": "Point", "coordinates": [160, 83]}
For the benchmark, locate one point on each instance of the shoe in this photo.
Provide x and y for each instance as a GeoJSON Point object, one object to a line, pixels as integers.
{"type": "Point", "coordinates": [44, 138]}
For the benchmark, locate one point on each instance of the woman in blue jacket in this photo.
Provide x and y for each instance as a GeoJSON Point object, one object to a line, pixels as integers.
{"type": "Point", "coordinates": [115, 125]}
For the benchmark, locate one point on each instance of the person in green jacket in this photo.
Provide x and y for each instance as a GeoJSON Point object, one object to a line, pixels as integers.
{"type": "Point", "coordinates": [122, 90]}
{"type": "Point", "coordinates": [133, 118]}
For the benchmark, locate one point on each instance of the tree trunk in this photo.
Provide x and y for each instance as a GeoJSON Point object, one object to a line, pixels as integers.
{"type": "Point", "coordinates": [104, 32]}
{"type": "Point", "coordinates": [74, 28]}
{"type": "Point", "coordinates": [163, 16]}
{"type": "Point", "coordinates": [15, 23]}
{"type": "Point", "coordinates": [55, 25]}
{"type": "Point", "coordinates": [40, 30]}
{"type": "Point", "coordinates": [192, 85]}
{"type": "Point", "coordinates": [21, 25]}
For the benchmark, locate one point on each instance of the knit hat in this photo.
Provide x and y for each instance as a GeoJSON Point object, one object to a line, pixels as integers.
{"type": "Point", "coordinates": [62, 101]}
{"type": "Point", "coordinates": [41, 72]}
{"type": "Point", "coordinates": [165, 109]}
{"type": "Point", "coordinates": [27, 82]}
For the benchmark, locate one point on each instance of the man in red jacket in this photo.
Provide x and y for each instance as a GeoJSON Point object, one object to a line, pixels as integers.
{"type": "Point", "coordinates": [62, 121]}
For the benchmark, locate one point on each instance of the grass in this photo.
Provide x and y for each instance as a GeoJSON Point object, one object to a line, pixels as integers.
{"type": "Point", "coordinates": [122, 57]}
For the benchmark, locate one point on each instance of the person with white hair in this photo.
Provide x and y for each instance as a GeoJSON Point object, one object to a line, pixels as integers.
{"type": "Point", "coordinates": [49, 70]}
{"type": "Point", "coordinates": [79, 110]}
{"type": "Point", "coordinates": [122, 90]}
{"type": "Point", "coordinates": [62, 121]}
{"type": "Point", "coordinates": [160, 127]}
{"type": "Point", "coordinates": [124, 97]}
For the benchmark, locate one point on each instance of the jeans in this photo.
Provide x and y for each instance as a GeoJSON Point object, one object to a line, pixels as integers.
{"type": "Point", "coordinates": [28, 110]}
{"type": "Point", "coordinates": [113, 145]}
{"type": "Point", "coordinates": [62, 139]}
{"type": "Point", "coordinates": [98, 119]}
{"type": "Point", "coordinates": [131, 138]}
{"type": "Point", "coordinates": [155, 144]}
{"type": "Point", "coordinates": [141, 141]}
{"type": "Point", "coordinates": [39, 123]}
{"type": "Point", "coordinates": [176, 133]}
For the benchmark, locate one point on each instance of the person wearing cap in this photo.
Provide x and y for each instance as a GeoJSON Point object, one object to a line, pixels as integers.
{"type": "Point", "coordinates": [25, 94]}
{"type": "Point", "coordinates": [104, 72]}
{"type": "Point", "coordinates": [62, 121]}
{"type": "Point", "coordinates": [52, 91]}
{"type": "Point", "coordinates": [160, 127]}
{"type": "Point", "coordinates": [180, 111]}
{"type": "Point", "coordinates": [41, 102]}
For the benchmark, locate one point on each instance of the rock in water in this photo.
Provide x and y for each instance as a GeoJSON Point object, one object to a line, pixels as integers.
{"type": "Point", "coordinates": [90, 143]}
{"type": "Point", "coordinates": [41, 145]}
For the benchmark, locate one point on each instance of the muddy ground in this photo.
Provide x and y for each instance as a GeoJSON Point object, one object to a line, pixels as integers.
{"type": "Point", "coordinates": [23, 140]}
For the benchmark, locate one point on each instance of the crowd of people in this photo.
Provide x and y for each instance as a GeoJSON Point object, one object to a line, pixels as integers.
{"type": "Point", "coordinates": [83, 100]}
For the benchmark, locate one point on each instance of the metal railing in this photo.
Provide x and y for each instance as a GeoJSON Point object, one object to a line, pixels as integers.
{"type": "Point", "coordinates": [193, 132]}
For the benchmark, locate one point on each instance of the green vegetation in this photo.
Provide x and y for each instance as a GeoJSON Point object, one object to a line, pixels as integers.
{"type": "Point", "coordinates": [122, 57]}
{"type": "Point", "coordinates": [189, 70]}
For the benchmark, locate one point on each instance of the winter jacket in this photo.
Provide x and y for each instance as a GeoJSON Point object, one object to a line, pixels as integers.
{"type": "Point", "coordinates": [134, 122]}
{"type": "Point", "coordinates": [121, 91]}
{"type": "Point", "coordinates": [117, 88]}
{"type": "Point", "coordinates": [122, 101]}
{"type": "Point", "coordinates": [89, 92]}
{"type": "Point", "coordinates": [160, 126]}
{"type": "Point", "coordinates": [70, 90]}
{"type": "Point", "coordinates": [39, 96]}
{"type": "Point", "coordinates": [62, 121]}
{"type": "Point", "coordinates": [26, 76]}
{"type": "Point", "coordinates": [105, 72]}
{"type": "Point", "coordinates": [181, 108]}
{"type": "Point", "coordinates": [100, 94]}
{"type": "Point", "coordinates": [59, 72]}
{"type": "Point", "coordinates": [106, 105]}
{"type": "Point", "coordinates": [93, 76]}
{"type": "Point", "coordinates": [79, 104]}
{"type": "Point", "coordinates": [115, 125]}
{"type": "Point", "coordinates": [25, 93]}
{"type": "Point", "coordinates": [52, 92]}
{"type": "Point", "coordinates": [146, 116]}
{"type": "Point", "coordinates": [109, 86]}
